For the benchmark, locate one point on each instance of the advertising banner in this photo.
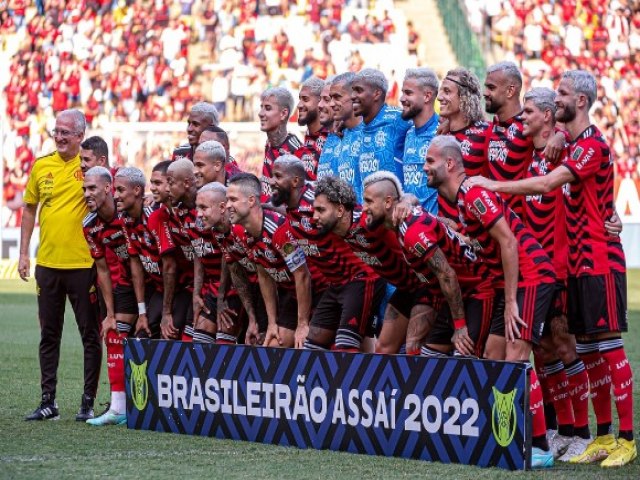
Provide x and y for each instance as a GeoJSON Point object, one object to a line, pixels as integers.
{"type": "Point", "coordinates": [449, 410]}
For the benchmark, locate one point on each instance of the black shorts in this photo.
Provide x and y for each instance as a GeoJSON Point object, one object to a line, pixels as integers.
{"type": "Point", "coordinates": [404, 300]}
{"type": "Point", "coordinates": [211, 304]}
{"type": "Point", "coordinates": [258, 307]}
{"type": "Point", "coordinates": [597, 304]}
{"type": "Point", "coordinates": [124, 300]}
{"type": "Point", "coordinates": [153, 301]}
{"type": "Point", "coordinates": [558, 307]}
{"type": "Point", "coordinates": [534, 303]}
{"type": "Point", "coordinates": [352, 306]}
{"type": "Point", "coordinates": [182, 309]}
{"type": "Point", "coordinates": [287, 309]}
{"type": "Point", "coordinates": [478, 315]}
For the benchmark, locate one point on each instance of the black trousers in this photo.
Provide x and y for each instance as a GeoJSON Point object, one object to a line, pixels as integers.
{"type": "Point", "coordinates": [54, 286]}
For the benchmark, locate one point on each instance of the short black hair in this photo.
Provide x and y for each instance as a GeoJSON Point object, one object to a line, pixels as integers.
{"type": "Point", "coordinates": [97, 145]}
{"type": "Point", "coordinates": [221, 132]}
{"type": "Point", "coordinates": [162, 167]}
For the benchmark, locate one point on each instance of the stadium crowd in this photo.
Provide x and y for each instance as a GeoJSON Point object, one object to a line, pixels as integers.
{"type": "Point", "coordinates": [387, 230]}
{"type": "Point", "coordinates": [134, 61]}
{"type": "Point", "coordinates": [547, 38]}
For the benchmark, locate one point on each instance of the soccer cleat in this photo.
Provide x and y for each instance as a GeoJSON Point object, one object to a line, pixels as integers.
{"type": "Point", "coordinates": [625, 453]}
{"type": "Point", "coordinates": [558, 444]}
{"type": "Point", "coordinates": [577, 447]}
{"type": "Point", "coordinates": [48, 409]}
{"type": "Point", "coordinates": [86, 409]}
{"type": "Point", "coordinates": [599, 449]}
{"type": "Point", "coordinates": [108, 418]}
{"type": "Point", "coordinates": [541, 458]}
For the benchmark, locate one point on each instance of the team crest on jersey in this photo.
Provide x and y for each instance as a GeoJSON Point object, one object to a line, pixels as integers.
{"type": "Point", "coordinates": [423, 150]}
{"type": "Point", "coordinates": [380, 138]}
{"type": "Point", "coordinates": [306, 223]}
{"type": "Point", "coordinates": [512, 131]}
{"type": "Point", "coordinates": [480, 206]}
{"type": "Point", "coordinates": [465, 147]}
{"type": "Point", "coordinates": [320, 143]}
{"type": "Point", "coordinates": [355, 147]}
{"type": "Point", "coordinates": [362, 240]}
{"type": "Point", "coordinates": [577, 152]}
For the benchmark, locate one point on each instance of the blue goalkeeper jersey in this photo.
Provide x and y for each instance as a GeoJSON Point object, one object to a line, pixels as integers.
{"type": "Point", "coordinates": [327, 165]}
{"type": "Point", "coordinates": [347, 158]}
{"type": "Point", "coordinates": [414, 180]}
{"type": "Point", "coordinates": [383, 143]}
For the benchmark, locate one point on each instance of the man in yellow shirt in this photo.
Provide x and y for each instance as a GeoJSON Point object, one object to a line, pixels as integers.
{"type": "Point", "coordinates": [64, 267]}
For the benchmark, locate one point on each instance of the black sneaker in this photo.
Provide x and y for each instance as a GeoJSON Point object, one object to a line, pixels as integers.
{"type": "Point", "coordinates": [48, 409]}
{"type": "Point", "coordinates": [86, 409]}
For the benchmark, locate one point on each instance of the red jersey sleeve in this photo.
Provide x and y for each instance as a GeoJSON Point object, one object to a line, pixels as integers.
{"type": "Point", "coordinates": [159, 226]}
{"type": "Point", "coordinates": [286, 244]}
{"type": "Point", "coordinates": [95, 243]}
{"type": "Point", "coordinates": [486, 206]}
{"type": "Point", "coordinates": [585, 160]}
{"type": "Point", "coordinates": [420, 240]}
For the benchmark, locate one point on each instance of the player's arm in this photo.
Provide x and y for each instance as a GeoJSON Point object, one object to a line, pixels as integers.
{"type": "Point", "coordinates": [241, 283]}
{"type": "Point", "coordinates": [269, 291]}
{"type": "Point", "coordinates": [29, 212]}
{"type": "Point", "coordinates": [527, 186]}
{"type": "Point", "coordinates": [198, 281]}
{"type": "Point", "coordinates": [106, 288]}
{"type": "Point", "coordinates": [169, 286]}
{"type": "Point", "coordinates": [501, 232]}
{"type": "Point", "coordinates": [555, 147]}
{"type": "Point", "coordinates": [137, 278]}
{"type": "Point", "coordinates": [302, 277]}
{"type": "Point", "coordinates": [448, 281]}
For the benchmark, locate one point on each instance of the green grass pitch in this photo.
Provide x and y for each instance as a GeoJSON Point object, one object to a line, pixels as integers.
{"type": "Point", "coordinates": [66, 449]}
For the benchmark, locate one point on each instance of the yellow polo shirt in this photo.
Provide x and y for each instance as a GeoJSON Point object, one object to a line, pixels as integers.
{"type": "Point", "coordinates": [57, 186]}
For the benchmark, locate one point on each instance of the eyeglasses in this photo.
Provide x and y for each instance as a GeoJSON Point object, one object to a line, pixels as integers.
{"type": "Point", "coordinates": [62, 133]}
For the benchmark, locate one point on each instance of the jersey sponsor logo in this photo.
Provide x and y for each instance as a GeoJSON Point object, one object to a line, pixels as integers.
{"type": "Point", "coordinates": [413, 174]}
{"type": "Point", "coordinates": [503, 416]}
{"type": "Point", "coordinates": [368, 259]}
{"type": "Point", "coordinates": [584, 160]}
{"type": "Point", "coordinates": [139, 385]}
{"type": "Point", "coordinates": [498, 151]}
{"type": "Point", "coordinates": [368, 163]}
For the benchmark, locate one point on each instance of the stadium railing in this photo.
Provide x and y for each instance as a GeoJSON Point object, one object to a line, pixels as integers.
{"type": "Point", "coordinates": [463, 41]}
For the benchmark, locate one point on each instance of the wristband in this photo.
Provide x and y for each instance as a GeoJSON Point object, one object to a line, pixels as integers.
{"type": "Point", "coordinates": [459, 323]}
{"type": "Point", "coordinates": [142, 309]}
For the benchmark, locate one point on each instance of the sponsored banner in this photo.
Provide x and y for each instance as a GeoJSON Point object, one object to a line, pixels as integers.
{"type": "Point", "coordinates": [447, 410]}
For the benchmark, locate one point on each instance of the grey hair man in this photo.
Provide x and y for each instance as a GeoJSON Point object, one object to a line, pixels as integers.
{"type": "Point", "coordinates": [64, 267]}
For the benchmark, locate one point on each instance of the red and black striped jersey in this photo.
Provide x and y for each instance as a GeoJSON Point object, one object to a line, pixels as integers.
{"type": "Point", "coordinates": [421, 233]}
{"type": "Point", "coordinates": [590, 202]}
{"type": "Point", "coordinates": [142, 244]}
{"type": "Point", "coordinates": [291, 145]}
{"type": "Point", "coordinates": [276, 249]}
{"type": "Point", "coordinates": [379, 248]}
{"type": "Point", "coordinates": [235, 250]}
{"type": "Point", "coordinates": [206, 248]}
{"type": "Point", "coordinates": [314, 142]}
{"type": "Point", "coordinates": [480, 210]}
{"type": "Point", "coordinates": [333, 258]}
{"type": "Point", "coordinates": [167, 229]}
{"type": "Point", "coordinates": [544, 215]}
{"type": "Point", "coordinates": [108, 240]}
{"type": "Point", "coordinates": [508, 155]}
{"type": "Point", "coordinates": [449, 210]}
{"type": "Point", "coordinates": [474, 141]}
